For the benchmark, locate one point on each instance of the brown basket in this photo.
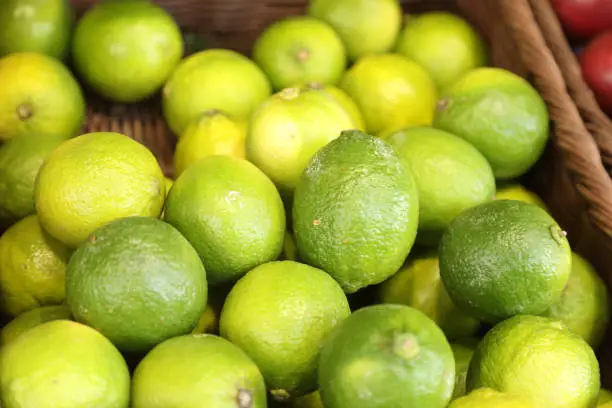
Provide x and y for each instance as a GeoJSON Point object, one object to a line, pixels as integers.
{"type": "Point", "coordinates": [524, 37]}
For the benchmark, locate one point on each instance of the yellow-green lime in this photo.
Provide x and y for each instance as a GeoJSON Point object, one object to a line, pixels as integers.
{"type": "Point", "coordinates": [197, 370]}
{"type": "Point", "coordinates": [213, 79]}
{"type": "Point", "coordinates": [365, 26]}
{"type": "Point", "coordinates": [518, 192]}
{"type": "Point", "coordinates": [300, 49]}
{"type": "Point", "coordinates": [417, 284]}
{"type": "Point", "coordinates": [451, 176]}
{"type": "Point", "coordinates": [209, 321]}
{"type": "Point", "coordinates": [386, 356]}
{"type": "Point", "coordinates": [169, 184]}
{"type": "Point", "coordinates": [488, 398]}
{"type": "Point", "coordinates": [32, 318]}
{"type": "Point", "coordinates": [463, 356]}
{"type": "Point", "coordinates": [282, 326]}
{"type": "Point", "coordinates": [212, 133]}
{"type": "Point", "coordinates": [604, 396]}
{"type": "Point", "coordinates": [290, 252]}
{"type": "Point", "coordinates": [32, 268]}
{"type": "Point", "coordinates": [312, 400]}
{"type": "Point", "coordinates": [63, 364]}
{"type": "Point", "coordinates": [96, 178]}
{"type": "Point", "coordinates": [446, 45]}
{"type": "Point", "coordinates": [605, 405]}
{"type": "Point", "coordinates": [504, 258]}
{"type": "Point", "coordinates": [391, 91]}
{"type": "Point", "coordinates": [346, 101]}
{"type": "Point", "coordinates": [501, 114]}
{"type": "Point", "coordinates": [38, 94]}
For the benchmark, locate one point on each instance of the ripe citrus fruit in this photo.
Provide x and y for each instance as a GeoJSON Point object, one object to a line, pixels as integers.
{"type": "Point", "coordinates": [20, 161]}
{"type": "Point", "coordinates": [231, 213]}
{"type": "Point", "coordinates": [391, 91]}
{"type": "Point", "coordinates": [501, 114]}
{"type": "Point", "coordinates": [488, 398]}
{"type": "Point", "coordinates": [289, 249]}
{"type": "Point", "coordinates": [63, 364]}
{"type": "Point", "coordinates": [32, 318]}
{"type": "Point", "coordinates": [386, 356]}
{"type": "Point", "coordinates": [444, 44]}
{"type": "Point", "coordinates": [125, 50]}
{"type": "Point", "coordinates": [93, 179]}
{"type": "Point", "coordinates": [32, 268]}
{"type": "Point", "coordinates": [38, 95]}
{"type": "Point", "coordinates": [537, 358]}
{"type": "Point", "coordinates": [298, 50]}
{"type": "Point", "coordinates": [504, 258]}
{"type": "Point", "coordinates": [346, 101]}
{"type": "Point", "coordinates": [312, 400]}
{"type": "Point", "coordinates": [604, 396]}
{"type": "Point", "coordinates": [355, 211]}
{"type": "Point", "coordinates": [213, 79]}
{"type": "Point", "coordinates": [418, 285]}
{"type": "Point", "coordinates": [287, 130]}
{"type": "Point", "coordinates": [35, 26]}
{"type": "Point", "coordinates": [518, 192]}
{"type": "Point", "coordinates": [584, 305]}
{"type": "Point", "coordinates": [451, 176]}
{"type": "Point", "coordinates": [282, 327]}
{"type": "Point", "coordinates": [365, 26]}
{"type": "Point", "coordinates": [138, 281]}
{"type": "Point", "coordinates": [212, 133]}
{"type": "Point", "coordinates": [463, 356]}
{"type": "Point", "coordinates": [197, 370]}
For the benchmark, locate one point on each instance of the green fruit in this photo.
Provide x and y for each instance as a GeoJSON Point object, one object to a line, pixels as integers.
{"type": "Point", "coordinates": [231, 213]}
{"type": "Point", "coordinates": [125, 50]}
{"type": "Point", "coordinates": [604, 396]}
{"type": "Point", "coordinates": [386, 356]}
{"type": "Point", "coordinates": [312, 400]}
{"type": "Point", "coordinates": [451, 176]}
{"type": "Point", "coordinates": [282, 327]}
{"type": "Point", "coordinates": [515, 191]}
{"type": "Point", "coordinates": [298, 50]}
{"type": "Point", "coordinates": [138, 281]}
{"type": "Point", "coordinates": [488, 398]}
{"type": "Point", "coordinates": [30, 319]}
{"type": "Point", "coordinates": [346, 101]}
{"type": "Point", "coordinates": [355, 211]}
{"type": "Point", "coordinates": [463, 356]}
{"type": "Point", "coordinates": [501, 114]}
{"type": "Point", "coordinates": [197, 370]}
{"type": "Point", "coordinates": [504, 258]}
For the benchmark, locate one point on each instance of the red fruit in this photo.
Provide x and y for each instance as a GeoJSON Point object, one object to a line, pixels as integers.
{"type": "Point", "coordinates": [596, 63]}
{"type": "Point", "coordinates": [584, 18]}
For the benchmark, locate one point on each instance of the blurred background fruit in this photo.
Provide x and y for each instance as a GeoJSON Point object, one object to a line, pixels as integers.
{"type": "Point", "coordinates": [596, 64]}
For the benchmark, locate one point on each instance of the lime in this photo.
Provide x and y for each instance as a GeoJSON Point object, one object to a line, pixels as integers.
{"type": "Point", "coordinates": [312, 400]}
{"type": "Point", "coordinates": [32, 318]}
{"type": "Point", "coordinates": [36, 26]}
{"type": "Point", "coordinates": [93, 179]}
{"type": "Point", "coordinates": [386, 356]}
{"type": "Point", "coordinates": [38, 95]}
{"type": "Point", "coordinates": [451, 176]}
{"type": "Point", "coordinates": [504, 258]}
{"type": "Point", "coordinates": [300, 49]}
{"type": "Point", "coordinates": [209, 321]}
{"type": "Point", "coordinates": [444, 44]}
{"type": "Point", "coordinates": [169, 184]}
{"type": "Point", "coordinates": [355, 211]}
{"type": "Point", "coordinates": [197, 370]}
{"type": "Point", "coordinates": [63, 364]}
{"type": "Point", "coordinates": [518, 192]}
{"type": "Point", "coordinates": [418, 285]}
{"type": "Point", "coordinates": [501, 114]}
{"type": "Point", "coordinates": [463, 356]}
{"type": "Point", "coordinates": [282, 327]}
{"type": "Point", "coordinates": [32, 268]}
{"type": "Point", "coordinates": [346, 101]}
{"type": "Point", "coordinates": [391, 91]}
{"type": "Point", "coordinates": [365, 26]}
{"type": "Point", "coordinates": [125, 50]}
{"type": "Point", "coordinates": [138, 281]}
{"type": "Point", "coordinates": [213, 79]}
{"type": "Point", "coordinates": [604, 396]}
{"type": "Point", "coordinates": [212, 133]}
{"type": "Point", "coordinates": [231, 213]}
{"type": "Point", "coordinates": [289, 248]}
{"type": "Point", "coordinates": [488, 398]}
{"type": "Point", "coordinates": [537, 358]}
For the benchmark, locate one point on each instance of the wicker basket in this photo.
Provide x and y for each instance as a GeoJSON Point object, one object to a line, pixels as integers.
{"type": "Point", "coordinates": [524, 37]}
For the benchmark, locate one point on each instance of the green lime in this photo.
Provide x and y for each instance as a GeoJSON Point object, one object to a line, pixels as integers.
{"type": "Point", "coordinates": [386, 356]}
{"type": "Point", "coordinates": [312, 400]}
{"type": "Point", "coordinates": [125, 50]}
{"type": "Point", "coordinates": [504, 258]}
{"type": "Point", "coordinates": [501, 114]}
{"type": "Point", "coordinates": [518, 192]}
{"type": "Point", "coordinates": [282, 327]}
{"type": "Point", "coordinates": [289, 248]}
{"type": "Point", "coordinates": [300, 49]}
{"type": "Point", "coordinates": [197, 370]}
{"type": "Point", "coordinates": [213, 79]}
{"type": "Point", "coordinates": [96, 178]}
{"type": "Point", "coordinates": [346, 101]}
{"type": "Point", "coordinates": [536, 358]}
{"type": "Point", "coordinates": [138, 281]}
{"type": "Point", "coordinates": [231, 213]}
{"type": "Point", "coordinates": [63, 364]}
{"type": "Point", "coordinates": [355, 211]}
{"type": "Point", "coordinates": [451, 176]}
{"type": "Point", "coordinates": [444, 44]}
{"type": "Point", "coordinates": [488, 398]}
{"type": "Point", "coordinates": [32, 318]}
{"type": "Point", "coordinates": [463, 356]}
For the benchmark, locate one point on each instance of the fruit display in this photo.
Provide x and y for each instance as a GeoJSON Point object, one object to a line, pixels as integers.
{"type": "Point", "coordinates": [345, 224]}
